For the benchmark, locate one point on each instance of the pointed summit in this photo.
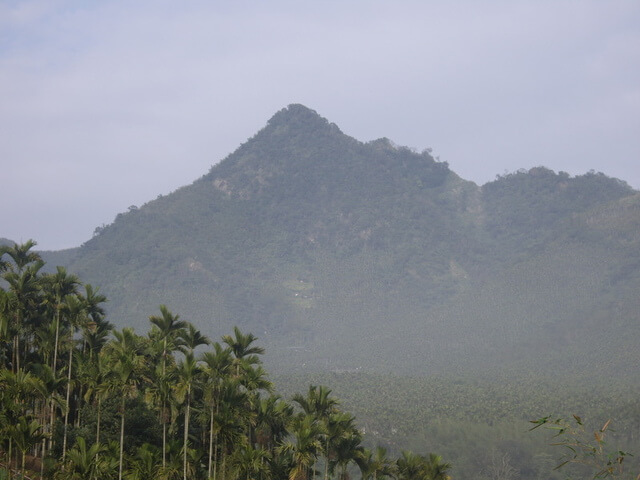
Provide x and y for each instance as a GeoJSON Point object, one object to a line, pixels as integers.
{"type": "Point", "coordinates": [294, 112]}
{"type": "Point", "coordinates": [299, 116]}
{"type": "Point", "coordinates": [295, 139]}
{"type": "Point", "coordinates": [300, 157]}
{"type": "Point", "coordinates": [357, 251]}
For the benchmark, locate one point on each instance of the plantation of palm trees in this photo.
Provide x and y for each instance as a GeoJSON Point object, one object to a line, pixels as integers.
{"type": "Point", "coordinates": [80, 400]}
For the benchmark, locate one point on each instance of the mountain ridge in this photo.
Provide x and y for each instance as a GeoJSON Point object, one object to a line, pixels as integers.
{"type": "Point", "coordinates": [355, 251]}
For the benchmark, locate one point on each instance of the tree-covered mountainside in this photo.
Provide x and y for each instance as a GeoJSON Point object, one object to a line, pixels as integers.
{"type": "Point", "coordinates": [79, 399]}
{"type": "Point", "coordinates": [343, 255]}
{"type": "Point", "coordinates": [444, 314]}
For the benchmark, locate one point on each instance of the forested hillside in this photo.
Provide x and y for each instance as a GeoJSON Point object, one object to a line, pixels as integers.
{"type": "Point", "coordinates": [349, 255]}
{"type": "Point", "coordinates": [445, 314]}
{"type": "Point", "coordinates": [80, 400]}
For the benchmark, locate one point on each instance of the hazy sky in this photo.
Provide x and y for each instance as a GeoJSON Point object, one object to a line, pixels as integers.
{"type": "Point", "coordinates": [107, 104]}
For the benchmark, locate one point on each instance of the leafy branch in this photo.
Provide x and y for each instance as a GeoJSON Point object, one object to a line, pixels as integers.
{"type": "Point", "coordinates": [582, 447]}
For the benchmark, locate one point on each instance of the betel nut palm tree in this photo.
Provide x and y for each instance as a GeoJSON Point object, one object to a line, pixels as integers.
{"type": "Point", "coordinates": [187, 372]}
{"type": "Point", "coordinates": [216, 369]}
{"type": "Point", "coordinates": [319, 403]}
{"type": "Point", "coordinates": [167, 332]}
{"type": "Point", "coordinates": [241, 346]}
{"type": "Point", "coordinates": [127, 364]}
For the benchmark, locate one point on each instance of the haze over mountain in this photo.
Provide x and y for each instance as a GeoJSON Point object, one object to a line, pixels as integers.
{"type": "Point", "coordinates": [344, 255]}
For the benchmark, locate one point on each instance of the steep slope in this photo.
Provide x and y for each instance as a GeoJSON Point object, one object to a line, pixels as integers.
{"type": "Point", "coordinates": [297, 193]}
{"type": "Point", "coordinates": [347, 255]}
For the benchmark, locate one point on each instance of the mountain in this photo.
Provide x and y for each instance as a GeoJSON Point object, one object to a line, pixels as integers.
{"type": "Point", "coordinates": [342, 255]}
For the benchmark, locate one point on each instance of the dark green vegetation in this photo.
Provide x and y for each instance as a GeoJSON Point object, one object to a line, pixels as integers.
{"type": "Point", "coordinates": [79, 400]}
{"type": "Point", "coordinates": [485, 306]}
{"type": "Point", "coordinates": [343, 255]}
{"type": "Point", "coordinates": [481, 424]}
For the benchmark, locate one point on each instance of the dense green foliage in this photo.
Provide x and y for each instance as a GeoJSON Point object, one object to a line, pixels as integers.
{"type": "Point", "coordinates": [477, 420]}
{"type": "Point", "coordinates": [344, 255]}
{"type": "Point", "coordinates": [369, 261]}
{"type": "Point", "coordinates": [79, 400]}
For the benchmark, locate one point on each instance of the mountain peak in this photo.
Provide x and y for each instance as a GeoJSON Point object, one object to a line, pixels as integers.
{"type": "Point", "coordinates": [292, 112]}
{"type": "Point", "coordinates": [297, 115]}
{"type": "Point", "coordinates": [314, 238]}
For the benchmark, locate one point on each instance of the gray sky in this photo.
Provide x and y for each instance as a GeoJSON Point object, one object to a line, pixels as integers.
{"type": "Point", "coordinates": [107, 104]}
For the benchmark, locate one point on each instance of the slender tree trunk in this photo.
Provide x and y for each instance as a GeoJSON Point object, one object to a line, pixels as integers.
{"type": "Point", "coordinates": [80, 404]}
{"type": "Point", "coordinates": [164, 406]}
{"type": "Point", "coordinates": [224, 461]}
{"type": "Point", "coordinates": [54, 373]}
{"type": "Point", "coordinates": [16, 352]}
{"type": "Point", "coordinates": [23, 463]}
{"type": "Point", "coordinates": [215, 459]}
{"type": "Point", "coordinates": [326, 460]}
{"type": "Point", "coordinates": [97, 430]}
{"type": "Point", "coordinates": [66, 412]}
{"type": "Point", "coordinates": [55, 347]}
{"type": "Point", "coordinates": [43, 421]}
{"type": "Point", "coordinates": [186, 433]}
{"type": "Point", "coordinates": [164, 433]}
{"type": "Point", "coordinates": [52, 421]}
{"type": "Point", "coordinates": [9, 456]}
{"type": "Point", "coordinates": [121, 438]}
{"type": "Point", "coordinates": [210, 444]}
{"type": "Point", "coordinates": [98, 421]}
{"type": "Point", "coordinates": [42, 461]}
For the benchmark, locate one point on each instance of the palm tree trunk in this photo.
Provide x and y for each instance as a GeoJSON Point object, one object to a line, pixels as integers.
{"type": "Point", "coordinates": [98, 421]}
{"type": "Point", "coordinates": [186, 433]}
{"type": "Point", "coordinates": [97, 431]}
{"type": "Point", "coordinates": [44, 444]}
{"type": "Point", "coordinates": [52, 420]}
{"type": "Point", "coordinates": [215, 459]}
{"type": "Point", "coordinates": [22, 464]}
{"type": "Point", "coordinates": [16, 350]}
{"type": "Point", "coordinates": [66, 412]}
{"type": "Point", "coordinates": [43, 421]}
{"type": "Point", "coordinates": [164, 433]}
{"type": "Point", "coordinates": [9, 456]}
{"type": "Point", "coordinates": [164, 405]}
{"type": "Point", "coordinates": [121, 438]}
{"type": "Point", "coordinates": [224, 460]}
{"type": "Point", "coordinates": [80, 396]}
{"type": "Point", "coordinates": [54, 372]}
{"type": "Point", "coordinates": [210, 444]}
{"type": "Point", "coordinates": [55, 347]}
{"type": "Point", "coordinates": [326, 460]}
